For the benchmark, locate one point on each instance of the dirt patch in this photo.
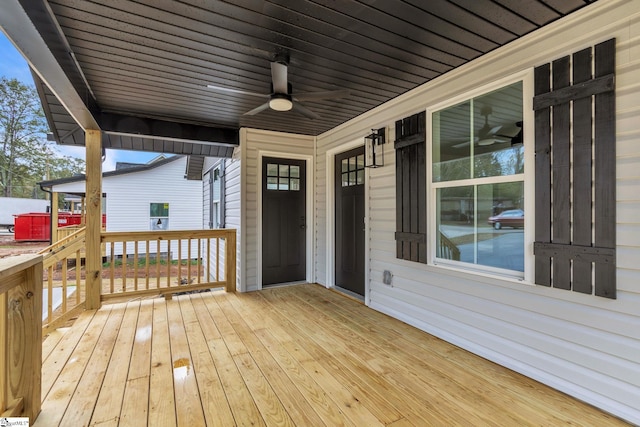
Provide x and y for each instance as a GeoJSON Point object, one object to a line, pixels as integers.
{"type": "Point", "coordinates": [9, 247]}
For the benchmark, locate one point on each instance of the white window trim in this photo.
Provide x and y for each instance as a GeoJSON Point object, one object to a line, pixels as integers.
{"type": "Point", "coordinates": [528, 118]}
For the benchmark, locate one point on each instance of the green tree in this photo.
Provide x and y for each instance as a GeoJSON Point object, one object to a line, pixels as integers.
{"type": "Point", "coordinates": [26, 156]}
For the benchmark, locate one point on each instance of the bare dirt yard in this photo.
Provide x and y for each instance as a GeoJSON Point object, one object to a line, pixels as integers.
{"type": "Point", "coordinates": [9, 247]}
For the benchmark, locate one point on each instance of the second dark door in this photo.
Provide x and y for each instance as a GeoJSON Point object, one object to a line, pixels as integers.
{"type": "Point", "coordinates": [350, 226]}
{"type": "Point", "coordinates": [284, 222]}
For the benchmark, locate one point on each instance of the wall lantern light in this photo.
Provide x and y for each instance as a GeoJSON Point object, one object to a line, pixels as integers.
{"type": "Point", "coordinates": [373, 148]}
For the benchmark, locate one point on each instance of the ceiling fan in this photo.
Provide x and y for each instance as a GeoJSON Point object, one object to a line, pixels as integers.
{"type": "Point", "coordinates": [281, 97]}
{"type": "Point", "coordinates": [488, 135]}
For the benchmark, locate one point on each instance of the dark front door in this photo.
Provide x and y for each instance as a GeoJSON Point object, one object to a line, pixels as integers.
{"type": "Point", "coordinates": [284, 257]}
{"type": "Point", "coordinates": [349, 185]}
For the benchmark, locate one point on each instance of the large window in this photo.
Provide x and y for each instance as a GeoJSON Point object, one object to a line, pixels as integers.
{"type": "Point", "coordinates": [477, 179]}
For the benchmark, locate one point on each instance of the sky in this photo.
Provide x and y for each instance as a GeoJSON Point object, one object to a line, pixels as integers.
{"type": "Point", "coordinates": [13, 65]}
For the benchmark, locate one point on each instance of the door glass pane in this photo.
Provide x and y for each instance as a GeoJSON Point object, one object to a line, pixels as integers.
{"type": "Point", "coordinates": [283, 184]}
{"type": "Point", "coordinates": [345, 179]}
{"type": "Point", "coordinates": [352, 178]}
{"type": "Point", "coordinates": [345, 165]}
{"type": "Point", "coordinates": [360, 178]}
{"type": "Point", "coordinates": [295, 184]}
{"type": "Point", "coordinates": [294, 171]}
{"type": "Point", "coordinates": [360, 161]}
{"type": "Point", "coordinates": [352, 163]}
{"type": "Point", "coordinates": [284, 170]}
{"type": "Point", "coordinates": [272, 183]}
{"type": "Point", "coordinates": [272, 170]}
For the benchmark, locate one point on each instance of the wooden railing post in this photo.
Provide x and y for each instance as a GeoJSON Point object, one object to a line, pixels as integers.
{"type": "Point", "coordinates": [230, 261]}
{"type": "Point", "coordinates": [93, 142]}
{"type": "Point", "coordinates": [21, 336]}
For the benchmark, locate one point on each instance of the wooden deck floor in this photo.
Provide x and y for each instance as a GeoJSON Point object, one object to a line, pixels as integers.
{"type": "Point", "coordinates": [298, 355]}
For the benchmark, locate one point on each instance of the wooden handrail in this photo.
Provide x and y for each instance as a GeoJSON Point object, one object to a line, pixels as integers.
{"type": "Point", "coordinates": [447, 249]}
{"type": "Point", "coordinates": [20, 331]}
{"type": "Point", "coordinates": [63, 242]}
{"type": "Point", "coordinates": [56, 260]}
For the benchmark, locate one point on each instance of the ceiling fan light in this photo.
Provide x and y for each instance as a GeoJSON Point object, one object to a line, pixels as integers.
{"type": "Point", "coordinates": [280, 102]}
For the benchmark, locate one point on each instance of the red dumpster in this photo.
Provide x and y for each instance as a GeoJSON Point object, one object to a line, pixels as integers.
{"type": "Point", "coordinates": [32, 226]}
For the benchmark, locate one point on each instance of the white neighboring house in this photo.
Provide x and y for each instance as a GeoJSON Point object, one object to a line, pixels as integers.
{"type": "Point", "coordinates": [143, 197]}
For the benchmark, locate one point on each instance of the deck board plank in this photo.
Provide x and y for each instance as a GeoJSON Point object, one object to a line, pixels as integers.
{"type": "Point", "coordinates": [299, 355]}
{"type": "Point", "coordinates": [109, 404]}
{"type": "Point", "coordinates": [162, 410]}
{"type": "Point", "coordinates": [245, 412]}
{"type": "Point", "coordinates": [58, 398]}
{"type": "Point", "coordinates": [300, 411]}
{"type": "Point", "coordinates": [86, 394]}
{"type": "Point", "coordinates": [371, 386]}
{"type": "Point", "coordinates": [397, 363]}
{"type": "Point", "coordinates": [189, 410]}
{"type": "Point", "coordinates": [135, 404]}
{"type": "Point", "coordinates": [59, 356]}
{"type": "Point", "coordinates": [214, 402]}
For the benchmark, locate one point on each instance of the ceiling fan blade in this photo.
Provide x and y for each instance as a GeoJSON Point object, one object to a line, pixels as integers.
{"type": "Point", "coordinates": [279, 77]}
{"type": "Point", "coordinates": [330, 94]}
{"type": "Point", "coordinates": [257, 109]}
{"type": "Point", "coordinates": [239, 91]}
{"type": "Point", "coordinates": [298, 108]}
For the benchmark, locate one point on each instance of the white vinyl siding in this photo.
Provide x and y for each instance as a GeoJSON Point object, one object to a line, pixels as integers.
{"type": "Point", "coordinates": [583, 345]}
{"type": "Point", "coordinates": [129, 195]}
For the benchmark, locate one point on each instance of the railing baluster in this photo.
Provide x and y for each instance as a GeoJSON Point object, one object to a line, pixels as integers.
{"type": "Point", "coordinates": [50, 296]}
{"type": "Point", "coordinates": [198, 259]}
{"type": "Point", "coordinates": [168, 263]}
{"type": "Point", "coordinates": [180, 261]}
{"type": "Point", "coordinates": [135, 265]}
{"type": "Point", "coordinates": [217, 258]}
{"type": "Point", "coordinates": [112, 267]}
{"type": "Point", "coordinates": [189, 261]}
{"type": "Point", "coordinates": [78, 275]}
{"type": "Point", "coordinates": [124, 266]}
{"type": "Point", "coordinates": [65, 268]}
{"type": "Point", "coordinates": [209, 259]}
{"type": "Point", "coordinates": [158, 264]}
{"type": "Point", "coordinates": [146, 264]}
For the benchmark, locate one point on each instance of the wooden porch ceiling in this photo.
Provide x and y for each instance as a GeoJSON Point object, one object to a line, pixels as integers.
{"type": "Point", "coordinates": [155, 59]}
{"type": "Point", "coordinates": [297, 355]}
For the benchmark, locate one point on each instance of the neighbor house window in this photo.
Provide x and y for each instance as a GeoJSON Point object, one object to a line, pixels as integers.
{"type": "Point", "coordinates": [159, 216]}
{"type": "Point", "coordinates": [477, 181]}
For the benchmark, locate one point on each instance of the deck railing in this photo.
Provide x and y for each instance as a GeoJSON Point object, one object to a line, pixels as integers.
{"type": "Point", "coordinates": [63, 266]}
{"type": "Point", "coordinates": [166, 262]}
{"type": "Point", "coordinates": [20, 336]}
{"type": "Point", "coordinates": [447, 249]}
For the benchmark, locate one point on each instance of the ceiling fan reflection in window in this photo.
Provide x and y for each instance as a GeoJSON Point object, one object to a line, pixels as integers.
{"type": "Point", "coordinates": [499, 134]}
{"type": "Point", "coordinates": [282, 97]}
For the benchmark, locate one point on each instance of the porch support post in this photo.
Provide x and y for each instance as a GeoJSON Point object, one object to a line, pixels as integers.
{"type": "Point", "coordinates": [93, 139]}
{"type": "Point", "coordinates": [54, 217]}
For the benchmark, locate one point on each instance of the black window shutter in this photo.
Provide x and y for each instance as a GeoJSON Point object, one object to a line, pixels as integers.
{"type": "Point", "coordinates": [575, 249]}
{"type": "Point", "coordinates": [411, 203]}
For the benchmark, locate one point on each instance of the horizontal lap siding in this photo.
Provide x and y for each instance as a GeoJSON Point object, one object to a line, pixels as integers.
{"type": "Point", "coordinates": [233, 215]}
{"type": "Point", "coordinates": [584, 345]}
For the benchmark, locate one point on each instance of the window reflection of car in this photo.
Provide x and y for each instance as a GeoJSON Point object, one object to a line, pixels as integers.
{"type": "Point", "coordinates": [512, 218]}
